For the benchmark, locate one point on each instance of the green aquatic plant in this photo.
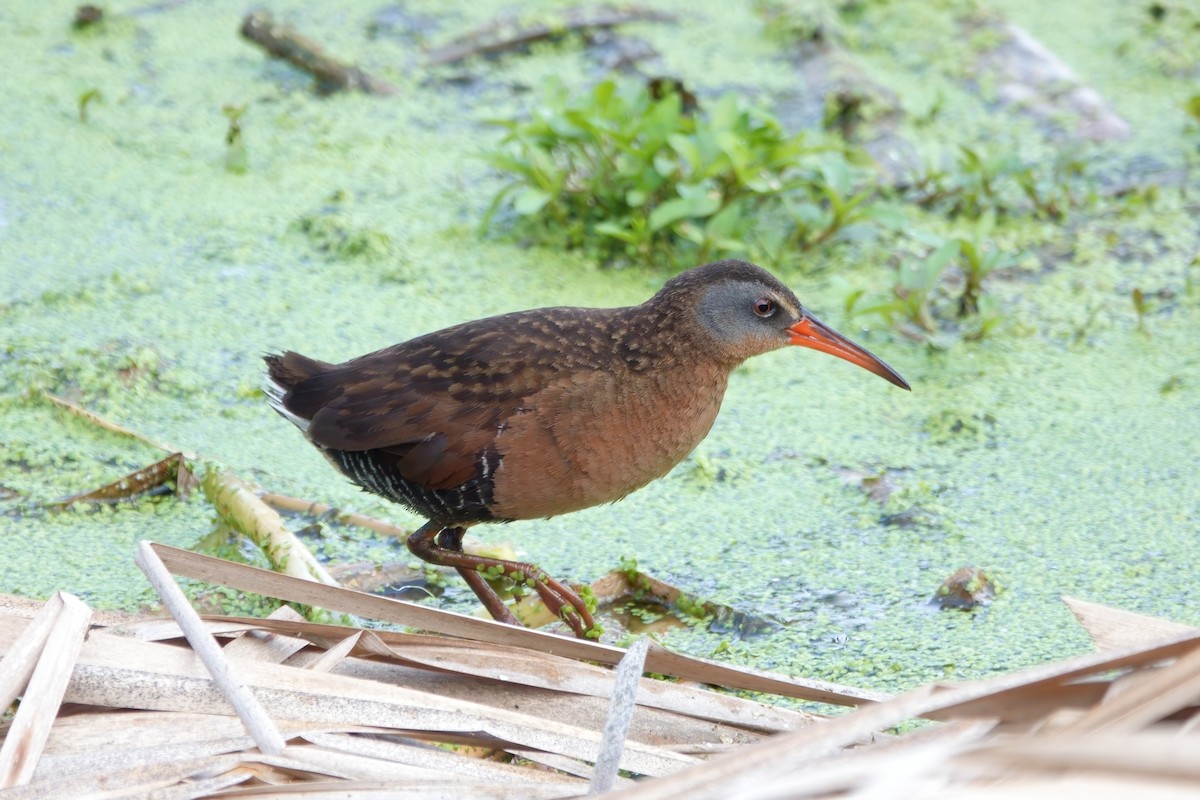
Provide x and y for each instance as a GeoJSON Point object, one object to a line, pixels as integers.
{"type": "Point", "coordinates": [237, 159]}
{"type": "Point", "coordinates": [1192, 107]}
{"type": "Point", "coordinates": [1141, 308]}
{"type": "Point", "coordinates": [1162, 34]}
{"type": "Point", "coordinates": [979, 257]}
{"type": "Point", "coordinates": [909, 306]}
{"type": "Point", "coordinates": [86, 98]}
{"type": "Point", "coordinates": [982, 181]}
{"type": "Point", "coordinates": [632, 172]}
{"type": "Point", "coordinates": [807, 21]}
{"type": "Point", "coordinates": [929, 300]}
{"type": "Point", "coordinates": [836, 208]}
{"type": "Point", "coordinates": [334, 231]}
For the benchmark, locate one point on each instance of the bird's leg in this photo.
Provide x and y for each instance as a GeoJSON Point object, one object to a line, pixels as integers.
{"type": "Point", "coordinates": [443, 546]}
{"type": "Point", "coordinates": [451, 539]}
{"type": "Point", "coordinates": [431, 539]}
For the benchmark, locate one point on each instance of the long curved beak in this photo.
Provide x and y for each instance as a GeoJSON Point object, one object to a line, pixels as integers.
{"type": "Point", "coordinates": [812, 333]}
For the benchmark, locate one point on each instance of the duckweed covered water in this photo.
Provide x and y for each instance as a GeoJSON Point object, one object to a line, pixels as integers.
{"type": "Point", "coordinates": [141, 279]}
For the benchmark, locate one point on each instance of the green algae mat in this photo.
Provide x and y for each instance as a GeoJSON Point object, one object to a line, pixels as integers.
{"type": "Point", "coordinates": [174, 202]}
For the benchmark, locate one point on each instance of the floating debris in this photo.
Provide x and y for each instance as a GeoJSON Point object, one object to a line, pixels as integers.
{"type": "Point", "coordinates": [506, 33]}
{"type": "Point", "coordinates": [284, 41]}
{"type": "Point", "coordinates": [838, 95]}
{"type": "Point", "coordinates": [968, 588]}
{"type": "Point", "coordinates": [877, 486]}
{"type": "Point", "coordinates": [155, 479]}
{"type": "Point", "coordinates": [87, 16]}
{"type": "Point", "coordinates": [643, 603]}
{"type": "Point", "coordinates": [238, 503]}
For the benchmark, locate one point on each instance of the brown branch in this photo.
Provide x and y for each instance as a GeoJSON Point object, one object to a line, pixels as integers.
{"type": "Point", "coordinates": [109, 425]}
{"type": "Point", "coordinates": [141, 481]}
{"type": "Point", "coordinates": [282, 502]}
{"type": "Point", "coordinates": [501, 35]}
{"type": "Point", "coordinates": [284, 41]}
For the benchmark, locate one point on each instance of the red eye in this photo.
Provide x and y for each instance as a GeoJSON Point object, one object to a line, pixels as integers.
{"type": "Point", "coordinates": [764, 306]}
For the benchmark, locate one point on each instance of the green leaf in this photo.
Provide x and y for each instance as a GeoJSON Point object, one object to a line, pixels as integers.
{"type": "Point", "coordinates": [665, 165]}
{"type": "Point", "coordinates": [725, 224]}
{"type": "Point", "coordinates": [664, 117]}
{"type": "Point", "coordinates": [808, 215]}
{"type": "Point", "coordinates": [494, 206]}
{"type": "Point", "coordinates": [927, 238]}
{"type": "Point", "coordinates": [616, 231]}
{"type": "Point", "coordinates": [604, 91]}
{"type": "Point", "coordinates": [670, 212]}
{"type": "Point", "coordinates": [856, 232]}
{"type": "Point", "coordinates": [694, 201]}
{"type": "Point", "coordinates": [836, 175]}
{"type": "Point", "coordinates": [629, 165]}
{"type": "Point", "coordinates": [941, 257]}
{"type": "Point", "coordinates": [887, 217]}
{"type": "Point", "coordinates": [725, 113]}
{"type": "Point", "coordinates": [691, 233]}
{"type": "Point", "coordinates": [529, 201]}
{"type": "Point", "coordinates": [687, 148]}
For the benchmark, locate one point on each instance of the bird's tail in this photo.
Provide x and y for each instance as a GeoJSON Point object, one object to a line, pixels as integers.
{"type": "Point", "coordinates": [284, 372]}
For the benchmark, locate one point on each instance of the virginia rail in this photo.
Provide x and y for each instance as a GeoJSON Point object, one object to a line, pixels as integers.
{"type": "Point", "coordinates": [537, 413]}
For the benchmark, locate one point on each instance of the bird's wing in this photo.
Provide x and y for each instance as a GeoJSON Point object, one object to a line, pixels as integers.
{"type": "Point", "coordinates": [436, 403]}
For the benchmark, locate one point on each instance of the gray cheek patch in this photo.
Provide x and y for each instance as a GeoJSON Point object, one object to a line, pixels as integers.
{"type": "Point", "coordinates": [719, 308]}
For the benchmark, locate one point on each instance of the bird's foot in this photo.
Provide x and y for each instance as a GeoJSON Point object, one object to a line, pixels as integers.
{"type": "Point", "coordinates": [487, 595]}
{"type": "Point", "coordinates": [443, 546]}
{"type": "Point", "coordinates": [560, 600]}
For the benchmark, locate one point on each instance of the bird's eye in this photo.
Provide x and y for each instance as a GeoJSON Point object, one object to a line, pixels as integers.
{"type": "Point", "coordinates": [764, 306]}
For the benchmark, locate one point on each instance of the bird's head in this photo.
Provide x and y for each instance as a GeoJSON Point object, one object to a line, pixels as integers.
{"type": "Point", "coordinates": [739, 310]}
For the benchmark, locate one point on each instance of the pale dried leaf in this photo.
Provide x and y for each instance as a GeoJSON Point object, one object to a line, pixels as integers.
{"type": "Point", "coordinates": [30, 728]}
{"type": "Point", "coordinates": [109, 425]}
{"type": "Point", "coordinates": [22, 657]}
{"type": "Point", "coordinates": [1163, 692]}
{"type": "Point", "coordinates": [1114, 627]}
{"type": "Point", "coordinates": [117, 671]}
{"type": "Point", "coordinates": [660, 660]}
{"type": "Point", "coordinates": [418, 754]}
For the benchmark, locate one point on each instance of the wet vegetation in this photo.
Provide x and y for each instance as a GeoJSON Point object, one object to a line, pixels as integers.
{"type": "Point", "coordinates": [636, 172]}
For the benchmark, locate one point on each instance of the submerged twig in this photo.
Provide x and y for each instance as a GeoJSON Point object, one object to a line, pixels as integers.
{"type": "Point", "coordinates": [1032, 78]}
{"type": "Point", "coordinates": [504, 34]}
{"type": "Point", "coordinates": [283, 502]}
{"type": "Point", "coordinates": [284, 41]}
{"type": "Point", "coordinates": [142, 481]}
{"type": "Point", "coordinates": [108, 425]}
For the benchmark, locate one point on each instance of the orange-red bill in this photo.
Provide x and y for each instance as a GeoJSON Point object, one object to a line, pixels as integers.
{"type": "Point", "coordinates": [811, 332]}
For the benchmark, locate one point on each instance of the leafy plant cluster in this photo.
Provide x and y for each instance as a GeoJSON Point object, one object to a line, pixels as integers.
{"type": "Point", "coordinates": [807, 20]}
{"type": "Point", "coordinates": [938, 294]}
{"type": "Point", "coordinates": [634, 173]}
{"type": "Point", "coordinates": [1165, 33]}
{"type": "Point", "coordinates": [1001, 183]}
{"type": "Point", "coordinates": [641, 173]}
